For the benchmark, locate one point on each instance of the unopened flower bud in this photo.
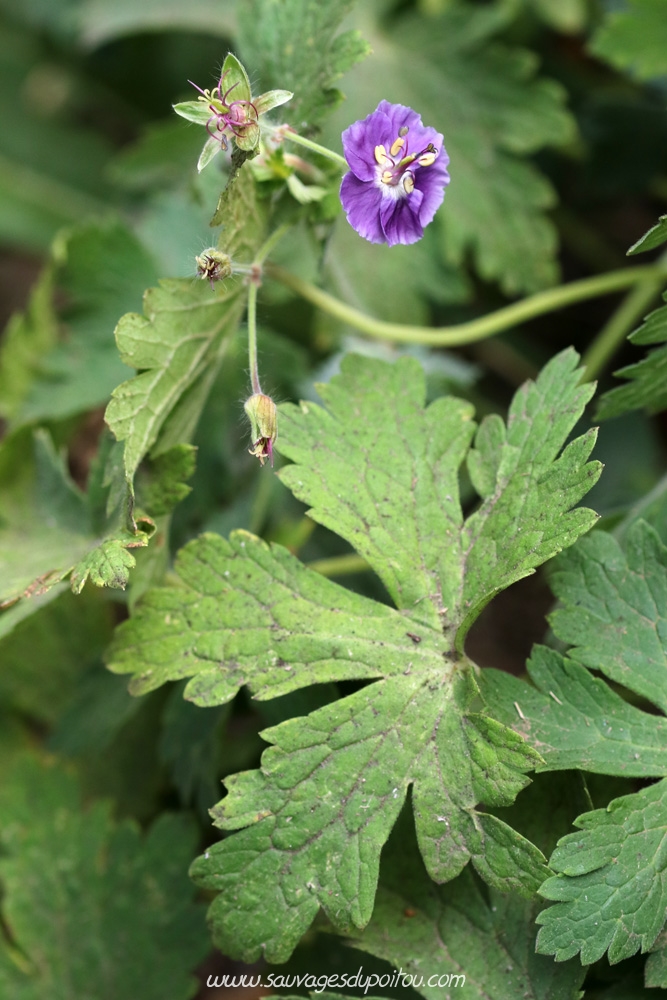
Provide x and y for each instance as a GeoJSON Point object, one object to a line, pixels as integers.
{"type": "Point", "coordinates": [263, 416]}
{"type": "Point", "coordinates": [214, 265]}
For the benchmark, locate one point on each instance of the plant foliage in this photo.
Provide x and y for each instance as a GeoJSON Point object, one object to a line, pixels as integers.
{"type": "Point", "coordinates": [325, 639]}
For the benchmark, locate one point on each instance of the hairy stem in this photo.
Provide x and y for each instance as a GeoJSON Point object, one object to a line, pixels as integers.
{"type": "Point", "coordinates": [286, 133]}
{"type": "Point", "coordinates": [476, 329]}
{"type": "Point", "coordinates": [252, 338]}
{"type": "Point", "coordinates": [257, 264]}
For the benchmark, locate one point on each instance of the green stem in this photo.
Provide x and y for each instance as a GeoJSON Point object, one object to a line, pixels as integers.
{"type": "Point", "coordinates": [271, 242]}
{"type": "Point", "coordinates": [300, 140]}
{"type": "Point", "coordinates": [622, 322]}
{"type": "Point", "coordinates": [339, 565]}
{"type": "Point", "coordinates": [257, 263]}
{"type": "Point", "coordinates": [476, 329]}
{"type": "Point", "coordinates": [252, 337]}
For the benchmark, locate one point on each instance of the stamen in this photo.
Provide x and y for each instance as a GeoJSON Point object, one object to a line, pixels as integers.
{"type": "Point", "coordinates": [380, 155]}
{"type": "Point", "coordinates": [387, 177]}
{"type": "Point", "coordinates": [408, 183]}
{"type": "Point", "coordinates": [426, 159]}
{"type": "Point", "coordinates": [397, 146]}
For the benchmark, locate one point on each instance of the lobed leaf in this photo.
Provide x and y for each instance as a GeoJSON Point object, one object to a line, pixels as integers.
{"type": "Point", "coordinates": [655, 237]}
{"type": "Point", "coordinates": [63, 361]}
{"type": "Point", "coordinates": [356, 477]}
{"type": "Point", "coordinates": [634, 39]}
{"type": "Point", "coordinates": [178, 345]}
{"type": "Point", "coordinates": [458, 935]}
{"type": "Point", "coordinates": [95, 923]}
{"type": "Point", "coordinates": [575, 720]}
{"type": "Point", "coordinates": [295, 46]}
{"type": "Point", "coordinates": [647, 379]}
{"type": "Point", "coordinates": [47, 533]}
{"type": "Point", "coordinates": [381, 469]}
{"type": "Point", "coordinates": [612, 891]}
{"type": "Point", "coordinates": [614, 610]}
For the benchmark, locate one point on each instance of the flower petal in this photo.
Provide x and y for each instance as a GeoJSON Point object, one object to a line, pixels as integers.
{"type": "Point", "coordinates": [432, 181]}
{"type": "Point", "coordinates": [360, 140]}
{"type": "Point", "coordinates": [361, 201]}
{"type": "Point", "coordinates": [399, 116]}
{"type": "Point", "coordinates": [400, 219]}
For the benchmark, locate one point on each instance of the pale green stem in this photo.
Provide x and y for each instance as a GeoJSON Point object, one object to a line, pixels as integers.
{"type": "Point", "coordinates": [301, 140]}
{"type": "Point", "coordinates": [339, 565]}
{"type": "Point", "coordinates": [252, 338]}
{"type": "Point", "coordinates": [622, 322]}
{"type": "Point", "coordinates": [476, 329]}
{"type": "Point", "coordinates": [271, 242]}
{"type": "Point", "coordinates": [257, 263]}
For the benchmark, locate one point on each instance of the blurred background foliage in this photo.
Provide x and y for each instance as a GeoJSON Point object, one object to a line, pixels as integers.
{"type": "Point", "coordinates": [553, 113]}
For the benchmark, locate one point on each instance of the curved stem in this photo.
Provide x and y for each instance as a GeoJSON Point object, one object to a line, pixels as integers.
{"type": "Point", "coordinates": [300, 140]}
{"type": "Point", "coordinates": [476, 329]}
{"type": "Point", "coordinates": [622, 322]}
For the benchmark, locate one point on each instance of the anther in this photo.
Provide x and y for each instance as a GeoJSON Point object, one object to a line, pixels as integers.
{"type": "Point", "coordinates": [426, 159]}
{"type": "Point", "coordinates": [397, 146]}
{"type": "Point", "coordinates": [408, 183]}
{"type": "Point", "coordinates": [380, 155]}
{"type": "Point", "coordinates": [387, 177]}
{"type": "Point", "coordinates": [403, 131]}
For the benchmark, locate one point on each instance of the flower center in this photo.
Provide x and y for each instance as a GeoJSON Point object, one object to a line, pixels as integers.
{"type": "Point", "coordinates": [398, 166]}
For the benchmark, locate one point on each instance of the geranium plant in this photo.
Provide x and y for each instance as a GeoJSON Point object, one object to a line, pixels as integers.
{"type": "Point", "coordinates": [385, 709]}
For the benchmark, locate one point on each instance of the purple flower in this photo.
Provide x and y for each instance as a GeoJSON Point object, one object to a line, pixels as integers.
{"type": "Point", "coordinates": [398, 174]}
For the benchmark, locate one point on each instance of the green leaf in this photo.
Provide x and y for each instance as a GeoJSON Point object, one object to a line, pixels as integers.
{"type": "Point", "coordinates": [568, 16]}
{"type": "Point", "coordinates": [575, 720]}
{"type": "Point", "coordinates": [47, 531]}
{"type": "Point", "coordinates": [160, 158]}
{"type": "Point", "coordinates": [99, 22]}
{"type": "Point", "coordinates": [612, 891]}
{"type": "Point", "coordinates": [656, 963]}
{"type": "Point", "coordinates": [179, 343]}
{"type": "Point", "coordinates": [635, 39]}
{"type": "Point", "coordinates": [44, 656]}
{"type": "Point", "coordinates": [190, 745]}
{"type": "Point", "coordinates": [497, 112]}
{"type": "Point", "coordinates": [614, 610]}
{"type": "Point", "coordinates": [458, 935]}
{"type": "Point", "coordinates": [51, 164]}
{"type": "Point", "coordinates": [164, 484]}
{"type": "Point", "coordinates": [613, 605]}
{"type": "Point", "coordinates": [357, 473]}
{"type": "Point", "coordinates": [382, 470]}
{"type": "Point", "coordinates": [655, 237]}
{"type": "Point", "coordinates": [647, 379]}
{"type": "Point", "coordinates": [27, 337]}
{"type": "Point", "coordinates": [294, 45]}
{"type": "Point", "coordinates": [405, 278]}
{"type": "Point", "coordinates": [99, 269]}
{"type": "Point", "coordinates": [95, 923]}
